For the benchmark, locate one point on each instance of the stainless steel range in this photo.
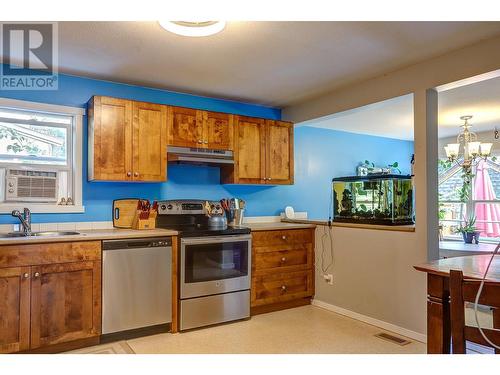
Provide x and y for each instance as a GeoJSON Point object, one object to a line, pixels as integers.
{"type": "Point", "coordinates": [214, 265]}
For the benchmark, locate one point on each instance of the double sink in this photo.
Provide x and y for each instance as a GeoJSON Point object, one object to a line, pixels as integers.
{"type": "Point", "coordinates": [38, 234]}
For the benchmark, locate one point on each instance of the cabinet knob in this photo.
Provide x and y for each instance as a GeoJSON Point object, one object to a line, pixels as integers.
{"type": "Point", "coordinates": [26, 275]}
{"type": "Point", "coordinates": [136, 174]}
{"type": "Point", "coordinates": [36, 274]}
{"type": "Point", "coordinates": [200, 141]}
{"type": "Point", "coordinates": [269, 178]}
{"type": "Point", "coordinates": [205, 142]}
{"type": "Point", "coordinates": [283, 260]}
{"type": "Point", "coordinates": [283, 237]}
{"type": "Point", "coordinates": [283, 288]}
{"type": "Point", "coordinates": [129, 174]}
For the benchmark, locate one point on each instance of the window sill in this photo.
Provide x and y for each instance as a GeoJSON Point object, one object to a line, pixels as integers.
{"type": "Point", "coordinates": [40, 208]}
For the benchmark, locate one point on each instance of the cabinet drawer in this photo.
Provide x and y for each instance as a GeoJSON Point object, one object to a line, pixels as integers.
{"type": "Point", "coordinates": [283, 260]}
{"type": "Point", "coordinates": [281, 287]}
{"type": "Point", "coordinates": [282, 237]}
{"type": "Point", "coordinates": [46, 253]}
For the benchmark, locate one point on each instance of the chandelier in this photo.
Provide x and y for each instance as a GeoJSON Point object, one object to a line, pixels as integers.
{"type": "Point", "coordinates": [473, 151]}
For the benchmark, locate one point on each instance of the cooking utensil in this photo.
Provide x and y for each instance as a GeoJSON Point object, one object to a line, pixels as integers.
{"type": "Point", "coordinates": [208, 209]}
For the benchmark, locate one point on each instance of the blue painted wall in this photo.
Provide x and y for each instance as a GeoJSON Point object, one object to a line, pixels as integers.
{"type": "Point", "coordinates": [319, 155]}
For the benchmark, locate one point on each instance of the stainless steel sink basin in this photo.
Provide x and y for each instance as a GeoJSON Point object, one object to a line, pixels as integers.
{"type": "Point", "coordinates": [55, 233]}
{"type": "Point", "coordinates": [39, 234]}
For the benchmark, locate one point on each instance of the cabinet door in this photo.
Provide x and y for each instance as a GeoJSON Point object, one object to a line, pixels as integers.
{"type": "Point", "coordinates": [149, 142]}
{"type": "Point", "coordinates": [250, 155]}
{"type": "Point", "coordinates": [65, 302]}
{"type": "Point", "coordinates": [279, 152]}
{"type": "Point", "coordinates": [110, 139]}
{"type": "Point", "coordinates": [14, 309]}
{"type": "Point", "coordinates": [185, 127]}
{"type": "Point", "coordinates": [218, 129]}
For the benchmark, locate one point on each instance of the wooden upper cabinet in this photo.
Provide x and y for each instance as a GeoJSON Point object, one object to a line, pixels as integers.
{"type": "Point", "coordinates": [250, 155]}
{"type": "Point", "coordinates": [110, 139]}
{"type": "Point", "coordinates": [65, 302]}
{"type": "Point", "coordinates": [127, 140]}
{"type": "Point", "coordinates": [218, 130]}
{"type": "Point", "coordinates": [279, 152]}
{"type": "Point", "coordinates": [185, 127]}
{"type": "Point", "coordinates": [263, 152]}
{"type": "Point", "coordinates": [149, 142]}
{"type": "Point", "coordinates": [200, 129]}
{"type": "Point", "coordinates": [14, 309]}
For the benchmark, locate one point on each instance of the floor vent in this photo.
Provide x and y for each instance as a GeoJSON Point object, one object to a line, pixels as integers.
{"type": "Point", "coordinates": [394, 339]}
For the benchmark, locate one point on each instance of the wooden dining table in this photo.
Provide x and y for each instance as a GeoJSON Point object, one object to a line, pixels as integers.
{"type": "Point", "coordinates": [438, 294]}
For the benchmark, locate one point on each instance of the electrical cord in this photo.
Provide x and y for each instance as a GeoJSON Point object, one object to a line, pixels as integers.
{"type": "Point", "coordinates": [327, 232]}
{"type": "Point", "coordinates": [476, 302]}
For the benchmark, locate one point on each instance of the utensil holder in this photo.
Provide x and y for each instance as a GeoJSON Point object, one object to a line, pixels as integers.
{"type": "Point", "coordinates": [149, 223]}
{"type": "Point", "coordinates": [237, 217]}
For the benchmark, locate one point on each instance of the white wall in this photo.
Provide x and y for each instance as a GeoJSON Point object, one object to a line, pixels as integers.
{"type": "Point", "coordinates": [373, 275]}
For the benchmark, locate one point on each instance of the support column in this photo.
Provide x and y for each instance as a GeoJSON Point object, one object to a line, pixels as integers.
{"type": "Point", "coordinates": [425, 111]}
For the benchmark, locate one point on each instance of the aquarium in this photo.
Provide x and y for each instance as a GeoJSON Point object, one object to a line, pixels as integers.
{"type": "Point", "coordinates": [373, 199]}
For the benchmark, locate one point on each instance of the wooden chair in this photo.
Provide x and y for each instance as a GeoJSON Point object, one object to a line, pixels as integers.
{"type": "Point", "coordinates": [465, 290]}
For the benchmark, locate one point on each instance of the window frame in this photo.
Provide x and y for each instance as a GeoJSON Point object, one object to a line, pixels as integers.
{"type": "Point", "coordinates": [74, 152]}
{"type": "Point", "coordinates": [470, 205]}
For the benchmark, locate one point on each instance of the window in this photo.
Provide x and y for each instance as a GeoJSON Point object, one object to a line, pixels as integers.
{"type": "Point", "coordinates": [483, 199]}
{"type": "Point", "coordinates": [40, 156]}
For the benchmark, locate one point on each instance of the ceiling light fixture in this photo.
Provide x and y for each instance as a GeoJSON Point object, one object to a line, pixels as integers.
{"type": "Point", "coordinates": [194, 29]}
{"type": "Point", "coordinates": [473, 151]}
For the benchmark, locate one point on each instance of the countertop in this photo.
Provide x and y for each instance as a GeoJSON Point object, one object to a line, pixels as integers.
{"type": "Point", "coordinates": [91, 235]}
{"type": "Point", "coordinates": [278, 225]}
{"type": "Point", "coordinates": [109, 234]}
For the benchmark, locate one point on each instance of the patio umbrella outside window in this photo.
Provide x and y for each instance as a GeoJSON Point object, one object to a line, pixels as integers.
{"type": "Point", "coordinates": [483, 190]}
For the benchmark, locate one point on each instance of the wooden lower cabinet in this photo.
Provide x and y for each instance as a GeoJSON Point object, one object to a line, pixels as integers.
{"type": "Point", "coordinates": [282, 269]}
{"type": "Point", "coordinates": [14, 309]}
{"type": "Point", "coordinates": [49, 303]}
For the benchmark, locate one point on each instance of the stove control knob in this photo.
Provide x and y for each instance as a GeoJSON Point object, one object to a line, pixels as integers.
{"type": "Point", "coordinates": [169, 207]}
{"type": "Point", "coordinates": [163, 207]}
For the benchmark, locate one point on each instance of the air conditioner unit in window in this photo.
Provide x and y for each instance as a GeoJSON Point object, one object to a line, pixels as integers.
{"type": "Point", "coordinates": [31, 185]}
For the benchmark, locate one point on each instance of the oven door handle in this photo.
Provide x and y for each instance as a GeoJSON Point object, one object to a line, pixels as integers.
{"type": "Point", "coordinates": [215, 239]}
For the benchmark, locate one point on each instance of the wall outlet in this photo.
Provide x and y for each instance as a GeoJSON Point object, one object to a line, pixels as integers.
{"type": "Point", "coordinates": [328, 278]}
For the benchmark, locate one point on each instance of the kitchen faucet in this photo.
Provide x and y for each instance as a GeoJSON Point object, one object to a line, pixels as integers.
{"type": "Point", "coordinates": [25, 220]}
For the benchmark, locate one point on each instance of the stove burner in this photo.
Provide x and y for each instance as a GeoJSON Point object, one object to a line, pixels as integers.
{"type": "Point", "coordinates": [188, 217]}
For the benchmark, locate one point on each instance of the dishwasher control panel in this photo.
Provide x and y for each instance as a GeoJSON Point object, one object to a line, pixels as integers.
{"type": "Point", "coordinates": [137, 243]}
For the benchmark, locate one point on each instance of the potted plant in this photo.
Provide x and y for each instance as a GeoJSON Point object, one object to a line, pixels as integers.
{"type": "Point", "coordinates": [469, 230]}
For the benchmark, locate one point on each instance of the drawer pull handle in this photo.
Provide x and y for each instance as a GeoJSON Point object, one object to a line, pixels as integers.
{"type": "Point", "coordinates": [283, 260]}
{"type": "Point", "coordinates": [283, 288]}
{"type": "Point", "coordinates": [36, 275]}
{"type": "Point", "coordinates": [26, 275]}
{"type": "Point", "coordinates": [283, 237]}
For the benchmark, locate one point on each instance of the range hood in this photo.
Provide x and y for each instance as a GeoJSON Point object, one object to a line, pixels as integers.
{"type": "Point", "coordinates": [199, 156]}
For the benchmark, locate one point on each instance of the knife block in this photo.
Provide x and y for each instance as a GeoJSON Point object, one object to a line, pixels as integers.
{"type": "Point", "coordinates": [149, 223]}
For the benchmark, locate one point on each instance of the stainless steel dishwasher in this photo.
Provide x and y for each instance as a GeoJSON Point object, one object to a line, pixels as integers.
{"type": "Point", "coordinates": [137, 284]}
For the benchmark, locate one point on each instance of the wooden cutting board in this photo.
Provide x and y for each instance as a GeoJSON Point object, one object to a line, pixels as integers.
{"type": "Point", "coordinates": [124, 211]}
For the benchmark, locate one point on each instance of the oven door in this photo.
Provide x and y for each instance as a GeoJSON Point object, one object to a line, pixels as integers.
{"type": "Point", "coordinates": [213, 265]}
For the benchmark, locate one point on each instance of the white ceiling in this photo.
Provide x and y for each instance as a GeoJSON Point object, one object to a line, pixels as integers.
{"type": "Point", "coordinates": [271, 63]}
{"type": "Point", "coordinates": [481, 100]}
{"type": "Point", "coordinates": [393, 118]}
